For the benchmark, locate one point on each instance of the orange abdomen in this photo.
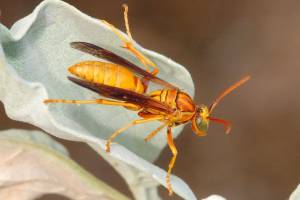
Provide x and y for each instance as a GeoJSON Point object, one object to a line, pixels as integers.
{"type": "Point", "coordinates": [108, 74]}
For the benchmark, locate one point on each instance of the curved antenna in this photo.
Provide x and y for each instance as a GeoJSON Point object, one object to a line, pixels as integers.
{"type": "Point", "coordinates": [227, 91]}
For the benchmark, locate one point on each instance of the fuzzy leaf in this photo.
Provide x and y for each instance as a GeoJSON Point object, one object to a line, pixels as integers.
{"type": "Point", "coordinates": [34, 57]}
{"type": "Point", "coordinates": [296, 194]}
{"type": "Point", "coordinates": [214, 197]}
{"type": "Point", "coordinates": [33, 164]}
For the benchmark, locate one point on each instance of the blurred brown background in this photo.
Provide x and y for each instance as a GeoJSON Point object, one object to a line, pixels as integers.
{"type": "Point", "coordinates": [218, 42]}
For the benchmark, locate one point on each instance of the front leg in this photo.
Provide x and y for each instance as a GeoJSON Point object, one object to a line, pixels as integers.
{"type": "Point", "coordinates": [172, 162]}
{"type": "Point", "coordinates": [133, 123]}
{"type": "Point", "coordinates": [153, 133]}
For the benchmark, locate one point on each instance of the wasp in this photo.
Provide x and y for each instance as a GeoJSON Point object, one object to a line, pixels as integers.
{"type": "Point", "coordinates": [125, 84]}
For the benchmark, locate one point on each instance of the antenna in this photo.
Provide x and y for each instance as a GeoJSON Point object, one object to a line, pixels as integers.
{"type": "Point", "coordinates": [227, 91]}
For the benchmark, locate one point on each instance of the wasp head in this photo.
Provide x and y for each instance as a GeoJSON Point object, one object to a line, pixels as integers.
{"type": "Point", "coordinates": [202, 116]}
{"type": "Point", "coordinates": [200, 121]}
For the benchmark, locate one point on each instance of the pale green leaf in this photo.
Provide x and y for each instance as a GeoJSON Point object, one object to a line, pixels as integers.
{"type": "Point", "coordinates": [296, 194]}
{"type": "Point", "coordinates": [214, 197]}
{"type": "Point", "coordinates": [34, 57]}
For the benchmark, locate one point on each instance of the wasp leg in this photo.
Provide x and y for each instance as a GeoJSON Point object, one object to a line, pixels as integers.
{"type": "Point", "coordinates": [138, 54]}
{"type": "Point", "coordinates": [126, 21]}
{"type": "Point", "coordinates": [172, 162]}
{"type": "Point", "coordinates": [153, 133]}
{"type": "Point", "coordinates": [135, 122]}
{"type": "Point", "coordinates": [96, 101]}
{"type": "Point", "coordinates": [128, 44]}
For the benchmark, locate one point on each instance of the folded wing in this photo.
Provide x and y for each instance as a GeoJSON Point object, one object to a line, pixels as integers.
{"type": "Point", "coordinates": [103, 53]}
{"type": "Point", "coordinates": [123, 95]}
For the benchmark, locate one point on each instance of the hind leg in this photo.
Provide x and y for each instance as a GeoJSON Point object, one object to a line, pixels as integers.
{"type": "Point", "coordinates": [128, 44]}
{"type": "Point", "coordinates": [94, 101]}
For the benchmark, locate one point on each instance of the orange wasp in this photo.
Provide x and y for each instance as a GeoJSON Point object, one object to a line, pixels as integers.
{"type": "Point", "coordinates": [125, 84]}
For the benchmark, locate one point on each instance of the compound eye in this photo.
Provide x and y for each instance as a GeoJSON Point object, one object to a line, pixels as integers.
{"type": "Point", "coordinates": [199, 121]}
{"type": "Point", "coordinates": [202, 124]}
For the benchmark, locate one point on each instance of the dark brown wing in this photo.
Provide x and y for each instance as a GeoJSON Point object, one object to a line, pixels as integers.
{"type": "Point", "coordinates": [103, 53]}
{"type": "Point", "coordinates": [123, 95]}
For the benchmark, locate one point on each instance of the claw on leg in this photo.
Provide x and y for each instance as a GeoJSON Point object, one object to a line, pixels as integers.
{"type": "Point", "coordinates": [107, 147]}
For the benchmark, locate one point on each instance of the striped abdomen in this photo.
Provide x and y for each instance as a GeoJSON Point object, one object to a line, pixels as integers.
{"type": "Point", "coordinates": [108, 74]}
